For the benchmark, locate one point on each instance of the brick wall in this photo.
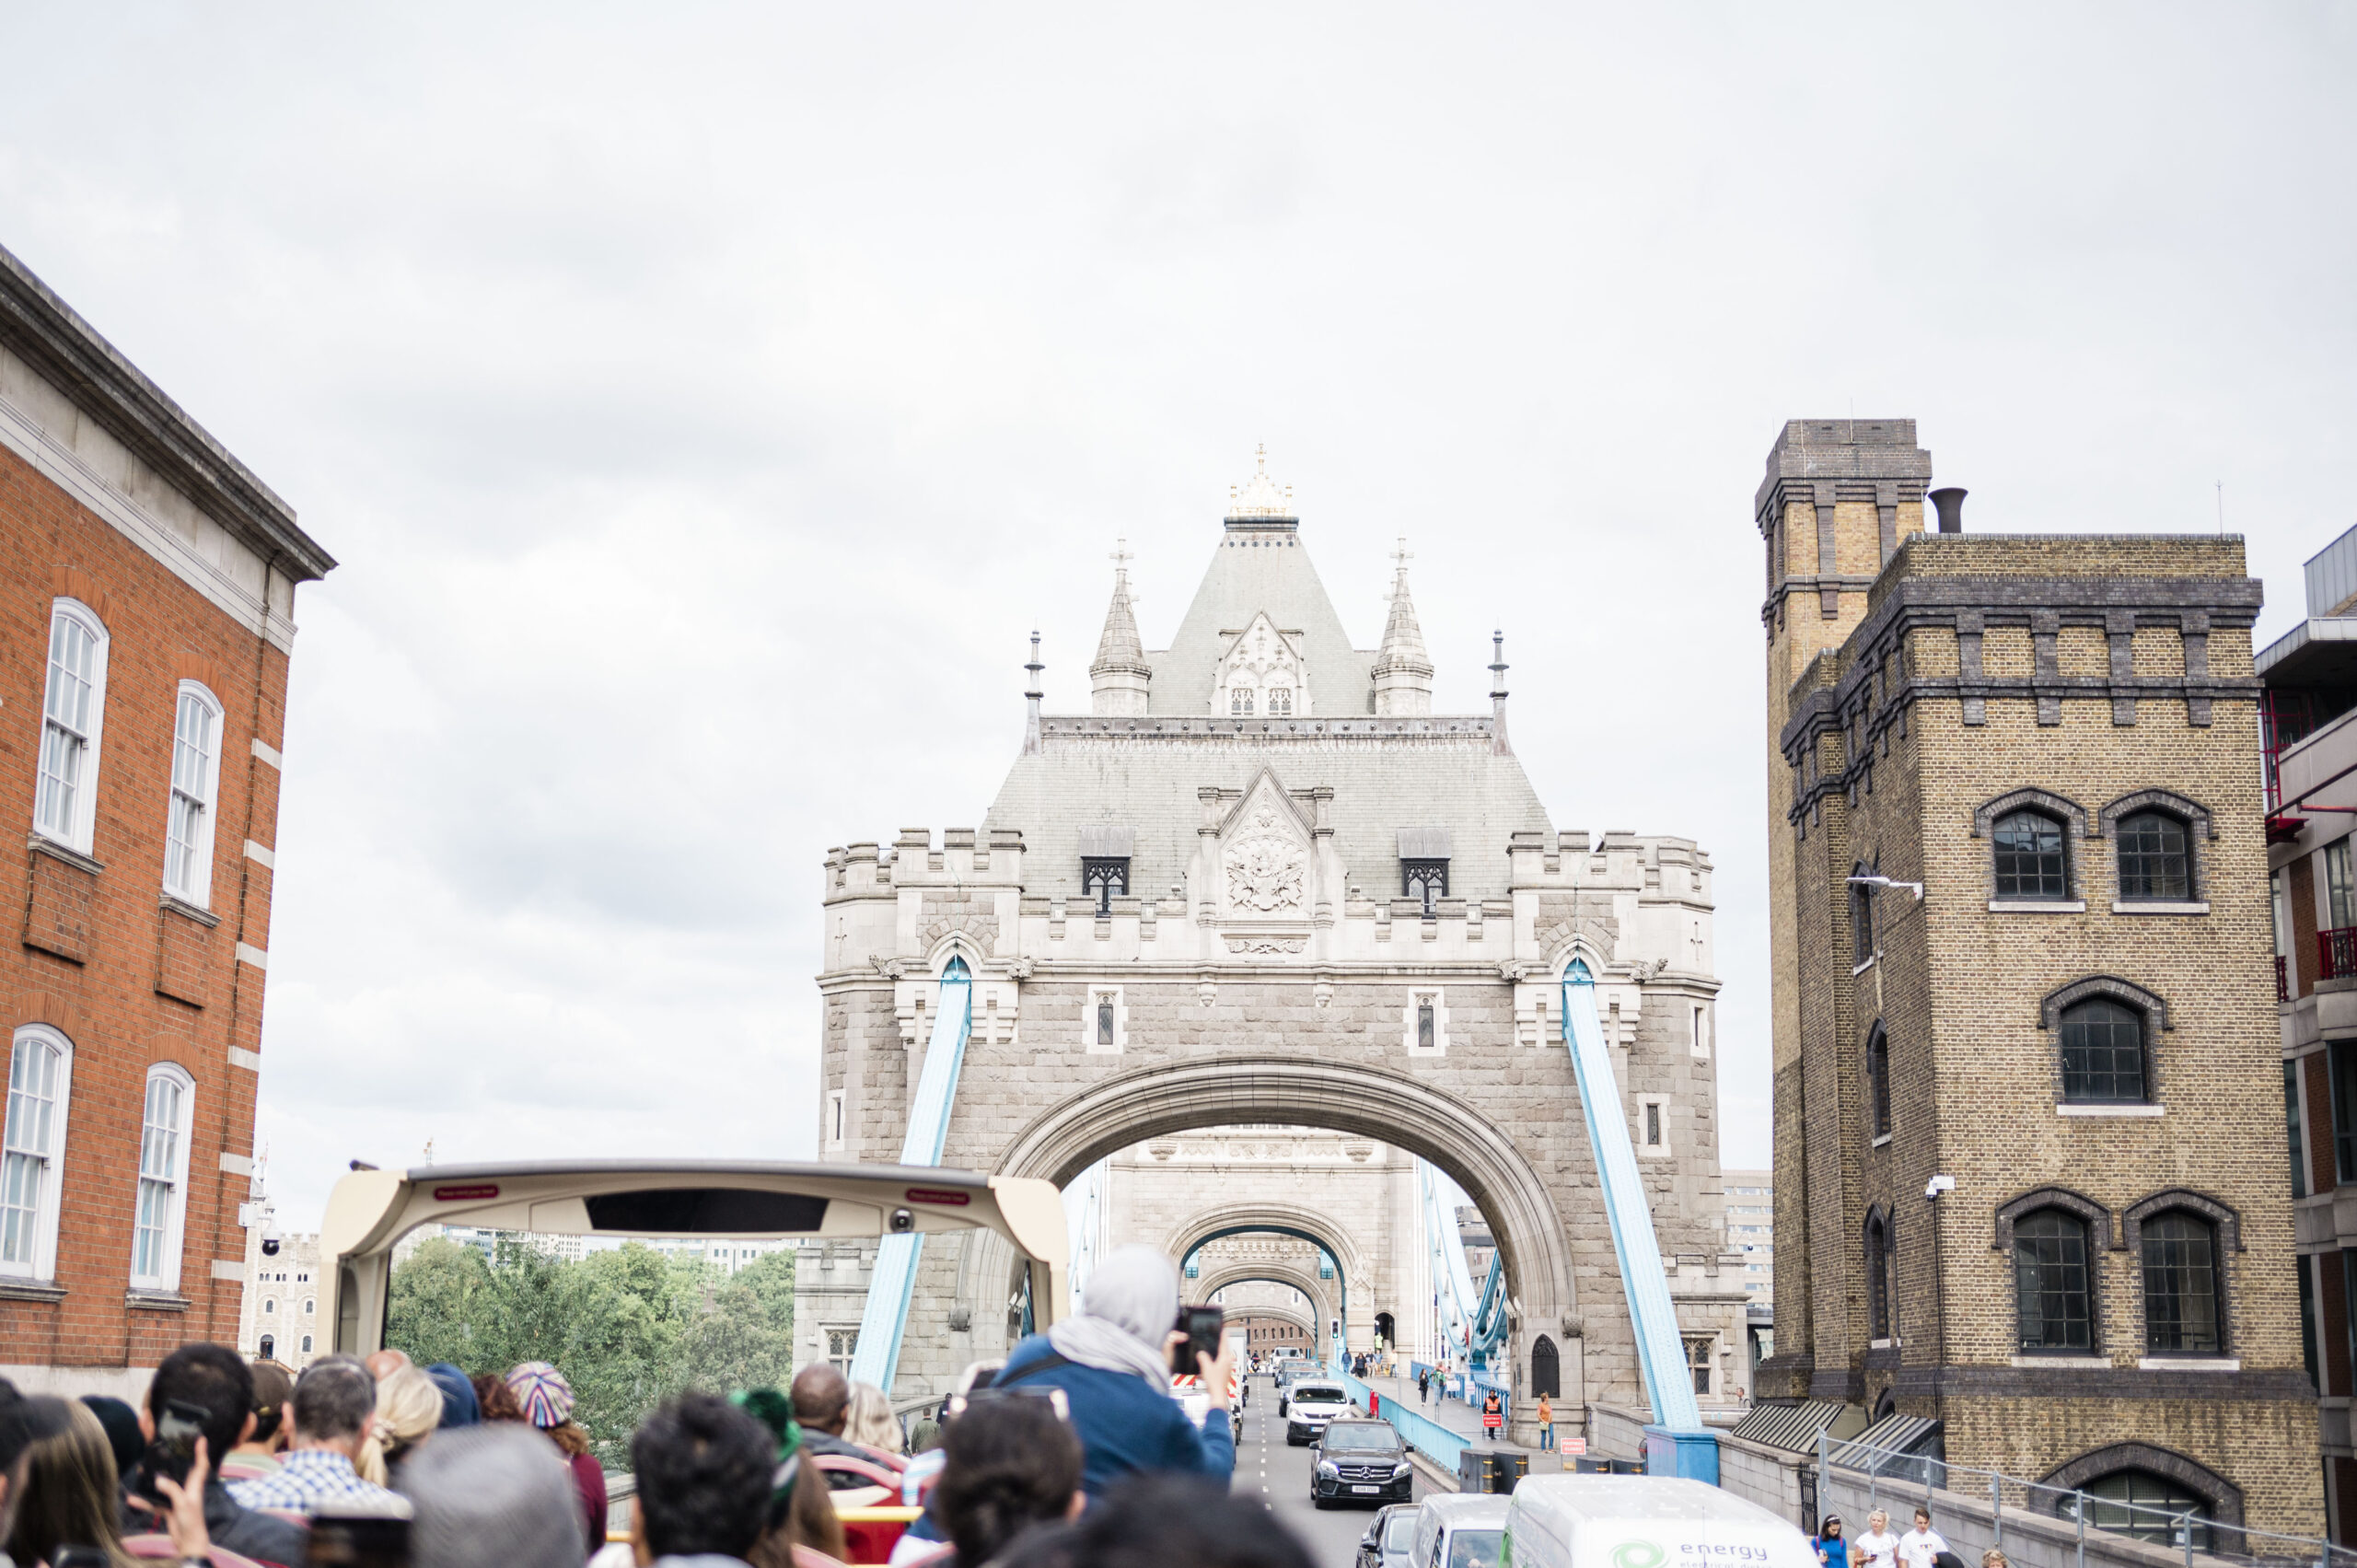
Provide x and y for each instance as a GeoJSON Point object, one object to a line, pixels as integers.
{"type": "Point", "coordinates": [128, 981]}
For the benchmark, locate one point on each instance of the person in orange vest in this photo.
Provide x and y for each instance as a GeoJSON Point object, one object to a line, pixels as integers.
{"type": "Point", "coordinates": [1493, 1414]}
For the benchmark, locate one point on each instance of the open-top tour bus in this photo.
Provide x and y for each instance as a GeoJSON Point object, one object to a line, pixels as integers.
{"type": "Point", "coordinates": [370, 1210]}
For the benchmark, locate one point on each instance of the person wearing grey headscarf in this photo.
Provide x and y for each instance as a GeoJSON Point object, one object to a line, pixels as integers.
{"type": "Point", "coordinates": [1112, 1361]}
{"type": "Point", "coordinates": [494, 1496]}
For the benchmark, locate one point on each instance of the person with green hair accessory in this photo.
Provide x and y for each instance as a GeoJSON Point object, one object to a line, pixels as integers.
{"type": "Point", "coordinates": [802, 1518]}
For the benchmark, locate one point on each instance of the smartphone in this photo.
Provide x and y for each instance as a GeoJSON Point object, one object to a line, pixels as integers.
{"type": "Point", "coordinates": [358, 1540]}
{"type": "Point", "coordinates": [174, 1449]}
{"type": "Point", "coordinates": [1203, 1326]}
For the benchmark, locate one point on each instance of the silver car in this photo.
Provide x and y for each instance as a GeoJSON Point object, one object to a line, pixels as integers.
{"type": "Point", "coordinates": [1391, 1540]}
{"type": "Point", "coordinates": [1310, 1405]}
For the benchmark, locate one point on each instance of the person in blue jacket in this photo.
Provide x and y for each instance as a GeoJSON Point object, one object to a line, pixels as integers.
{"type": "Point", "coordinates": [1113, 1360]}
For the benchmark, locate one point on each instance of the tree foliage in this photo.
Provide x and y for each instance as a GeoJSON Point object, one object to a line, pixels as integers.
{"type": "Point", "coordinates": [627, 1327]}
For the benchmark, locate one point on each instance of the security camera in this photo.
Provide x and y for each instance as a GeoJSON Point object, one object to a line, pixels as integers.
{"type": "Point", "coordinates": [270, 1246]}
{"type": "Point", "coordinates": [903, 1221]}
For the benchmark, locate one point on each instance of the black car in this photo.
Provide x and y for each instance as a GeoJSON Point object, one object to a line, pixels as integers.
{"type": "Point", "coordinates": [1360, 1461]}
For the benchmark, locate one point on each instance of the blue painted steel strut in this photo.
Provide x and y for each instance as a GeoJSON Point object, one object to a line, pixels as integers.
{"type": "Point", "coordinates": [876, 1358]}
{"type": "Point", "coordinates": [1659, 1350]}
{"type": "Point", "coordinates": [1474, 1322]}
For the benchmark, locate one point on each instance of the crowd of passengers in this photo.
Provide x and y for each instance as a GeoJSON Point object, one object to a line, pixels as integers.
{"type": "Point", "coordinates": [1071, 1454]}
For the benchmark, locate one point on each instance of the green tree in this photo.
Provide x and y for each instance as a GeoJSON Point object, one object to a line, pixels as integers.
{"type": "Point", "coordinates": [437, 1304]}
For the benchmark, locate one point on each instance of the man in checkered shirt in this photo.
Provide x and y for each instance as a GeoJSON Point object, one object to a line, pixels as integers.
{"type": "Point", "coordinates": [335, 1405]}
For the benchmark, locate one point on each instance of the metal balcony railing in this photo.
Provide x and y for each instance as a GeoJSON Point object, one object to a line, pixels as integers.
{"type": "Point", "coordinates": [2337, 952]}
{"type": "Point", "coordinates": [2282, 982]}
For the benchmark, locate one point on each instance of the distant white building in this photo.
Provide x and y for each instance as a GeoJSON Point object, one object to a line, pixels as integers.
{"type": "Point", "coordinates": [1751, 1229]}
{"type": "Point", "coordinates": [280, 1318]}
{"type": "Point", "coordinates": [727, 1254]}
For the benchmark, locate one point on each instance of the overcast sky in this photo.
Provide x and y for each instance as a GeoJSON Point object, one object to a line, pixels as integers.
{"type": "Point", "coordinates": [705, 402]}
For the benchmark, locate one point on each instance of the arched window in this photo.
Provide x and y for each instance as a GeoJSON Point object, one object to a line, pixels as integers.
{"type": "Point", "coordinates": [40, 1071]}
{"type": "Point", "coordinates": [196, 777]}
{"type": "Point", "coordinates": [2031, 859]}
{"type": "Point", "coordinates": [307, 1344]}
{"type": "Point", "coordinates": [2156, 857]}
{"type": "Point", "coordinates": [1877, 1276]}
{"type": "Point", "coordinates": [162, 1195]}
{"type": "Point", "coordinates": [1280, 702]}
{"type": "Point", "coordinates": [1878, 1080]}
{"type": "Point", "coordinates": [266, 1347]}
{"type": "Point", "coordinates": [1862, 917]}
{"type": "Point", "coordinates": [269, 1306]}
{"type": "Point", "coordinates": [2053, 1299]}
{"type": "Point", "coordinates": [1239, 702]}
{"type": "Point", "coordinates": [1546, 1369]}
{"type": "Point", "coordinates": [73, 704]}
{"type": "Point", "coordinates": [2103, 1054]}
{"type": "Point", "coordinates": [2181, 1316]}
{"type": "Point", "coordinates": [2148, 1507]}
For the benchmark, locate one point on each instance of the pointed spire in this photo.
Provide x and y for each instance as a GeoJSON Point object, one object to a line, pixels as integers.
{"type": "Point", "coordinates": [1498, 742]}
{"type": "Point", "coordinates": [1402, 671]}
{"type": "Point", "coordinates": [1117, 680]}
{"type": "Point", "coordinates": [1031, 697]}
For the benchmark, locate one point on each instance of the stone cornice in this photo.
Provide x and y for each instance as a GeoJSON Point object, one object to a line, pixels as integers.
{"type": "Point", "coordinates": [96, 376]}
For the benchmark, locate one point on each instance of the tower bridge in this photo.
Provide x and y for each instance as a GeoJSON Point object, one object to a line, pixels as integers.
{"type": "Point", "coordinates": [1264, 884]}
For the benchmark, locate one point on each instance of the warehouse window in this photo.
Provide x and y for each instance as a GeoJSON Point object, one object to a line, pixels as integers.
{"type": "Point", "coordinates": [40, 1071]}
{"type": "Point", "coordinates": [162, 1189]}
{"type": "Point", "coordinates": [2031, 860]}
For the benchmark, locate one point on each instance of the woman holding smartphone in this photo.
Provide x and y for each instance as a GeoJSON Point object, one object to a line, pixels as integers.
{"type": "Point", "coordinates": [1114, 1361]}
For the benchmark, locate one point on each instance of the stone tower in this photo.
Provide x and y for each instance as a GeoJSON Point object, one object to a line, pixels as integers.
{"type": "Point", "coordinates": [2032, 1209]}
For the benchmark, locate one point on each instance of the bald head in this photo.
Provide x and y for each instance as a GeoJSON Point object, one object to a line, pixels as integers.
{"type": "Point", "coordinates": [821, 1398]}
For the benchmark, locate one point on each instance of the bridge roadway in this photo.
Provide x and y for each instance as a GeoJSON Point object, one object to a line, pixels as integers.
{"type": "Point", "coordinates": [1278, 1474]}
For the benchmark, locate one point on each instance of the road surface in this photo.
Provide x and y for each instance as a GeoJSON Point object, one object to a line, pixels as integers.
{"type": "Point", "coordinates": [1267, 1469]}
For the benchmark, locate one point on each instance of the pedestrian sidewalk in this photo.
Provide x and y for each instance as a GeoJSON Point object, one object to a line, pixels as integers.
{"type": "Point", "coordinates": [1464, 1419]}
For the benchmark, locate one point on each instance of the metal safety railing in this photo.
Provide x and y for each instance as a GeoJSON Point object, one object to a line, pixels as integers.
{"type": "Point", "coordinates": [1898, 1481]}
{"type": "Point", "coordinates": [1420, 1432]}
{"type": "Point", "coordinates": [2336, 953]}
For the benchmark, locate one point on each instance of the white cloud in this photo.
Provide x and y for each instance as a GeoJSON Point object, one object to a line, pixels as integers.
{"type": "Point", "coordinates": [706, 403]}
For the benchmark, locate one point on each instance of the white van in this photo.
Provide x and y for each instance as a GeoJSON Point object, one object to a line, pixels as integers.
{"type": "Point", "coordinates": [1462, 1529]}
{"type": "Point", "coordinates": [1634, 1521]}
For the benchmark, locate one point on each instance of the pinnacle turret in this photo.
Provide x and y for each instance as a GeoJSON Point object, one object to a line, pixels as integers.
{"type": "Point", "coordinates": [1402, 671]}
{"type": "Point", "coordinates": [1117, 679]}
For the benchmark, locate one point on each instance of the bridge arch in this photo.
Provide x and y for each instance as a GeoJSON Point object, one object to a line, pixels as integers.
{"type": "Point", "coordinates": [1298, 1219]}
{"type": "Point", "coordinates": [1261, 1271]}
{"type": "Point", "coordinates": [1352, 1096]}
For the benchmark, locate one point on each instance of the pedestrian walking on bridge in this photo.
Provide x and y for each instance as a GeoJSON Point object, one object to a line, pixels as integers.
{"type": "Point", "coordinates": [1546, 1424]}
{"type": "Point", "coordinates": [1494, 1414]}
{"type": "Point", "coordinates": [1423, 1387]}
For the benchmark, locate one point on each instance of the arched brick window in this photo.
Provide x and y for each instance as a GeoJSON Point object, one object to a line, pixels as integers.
{"type": "Point", "coordinates": [2156, 857]}
{"type": "Point", "coordinates": [2032, 856]}
{"type": "Point", "coordinates": [2053, 1282]}
{"type": "Point", "coordinates": [1878, 1260]}
{"type": "Point", "coordinates": [1878, 1082]}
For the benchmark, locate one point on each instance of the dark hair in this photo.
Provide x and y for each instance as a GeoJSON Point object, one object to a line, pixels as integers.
{"type": "Point", "coordinates": [335, 1398]}
{"type": "Point", "coordinates": [217, 1381]}
{"type": "Point", "coordinates": [274, 1385]}
{"type": "Point", "coordinates": [121, 1423]}
{"type": "Point", "coordinates": [821, 1395]}
{"type": "Point", "coordinates": [704, 1471]}
{"type": "Point", "coordinates": [24, 1422]}
{"type": "Point", "coordinates": [1166, 1520]}
{"type": "Point", "coordinates": [1007, 1464]}
{"type": "Point", "coordinates": [65, 1491]}
{"type": "Point", "coordinates": [802, 1514]}
{"type": "Point", "coordinates": [497, 1400]}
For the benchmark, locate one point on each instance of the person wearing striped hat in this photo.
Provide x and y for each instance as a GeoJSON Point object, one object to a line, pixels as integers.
{"type": "Point", "coordinates": [546, 1399]}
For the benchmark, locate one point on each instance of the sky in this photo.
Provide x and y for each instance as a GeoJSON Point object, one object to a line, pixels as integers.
{"type": "Point", "coordinates": [705, 402]}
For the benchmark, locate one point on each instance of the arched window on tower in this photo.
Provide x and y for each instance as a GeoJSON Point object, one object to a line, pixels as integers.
{"type": "Point", "coordinates": [1239, 702]}
{"type": "Point", "coordinates": [2156, 858]}
{"type": "Point", "coordinates": [1878, 1082]}
{"type": "Point", "coordinates": [1546, 1369]}
{"type": "Point", "coordinates": [1877, 1276]}
{"type": "Point", "coordinates": [2032, 861]}
{"type": "Point", "coordinates": [2103, 1054]}
{"type": "Point", "coordinates": [2053, 1294]}
{"type": "Point", "coordinates": [2181, 1316]}
{"type": "Point", "coordinates": [1280, 702]}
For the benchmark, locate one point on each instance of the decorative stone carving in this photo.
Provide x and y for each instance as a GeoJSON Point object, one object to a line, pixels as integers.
{"type": "Point", "coordinates": [1241, 942]}
{"type": "Point", "coordinates": [1267, 867]}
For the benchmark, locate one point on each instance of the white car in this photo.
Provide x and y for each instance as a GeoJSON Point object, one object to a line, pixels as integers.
{"type": "Point", "coordinates": [1310, 1405]}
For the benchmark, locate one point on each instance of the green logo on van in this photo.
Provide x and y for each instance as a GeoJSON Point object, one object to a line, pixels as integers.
{"type": "Point", "coordinates": [1637, 1555]}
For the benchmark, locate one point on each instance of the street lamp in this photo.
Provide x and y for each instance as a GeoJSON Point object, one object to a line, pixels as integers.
{"type": "Point", "coordinates": [1914, 888]}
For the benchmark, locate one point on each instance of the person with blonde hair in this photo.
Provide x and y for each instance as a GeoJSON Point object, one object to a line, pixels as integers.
{"type": "Point", "coordinates": [409, 1408]}
{"type": "Point", "coordinates": [871, 1423]}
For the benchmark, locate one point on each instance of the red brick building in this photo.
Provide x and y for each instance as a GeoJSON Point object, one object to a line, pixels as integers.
{"type": "Point", "coordinates": [146, 602]}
